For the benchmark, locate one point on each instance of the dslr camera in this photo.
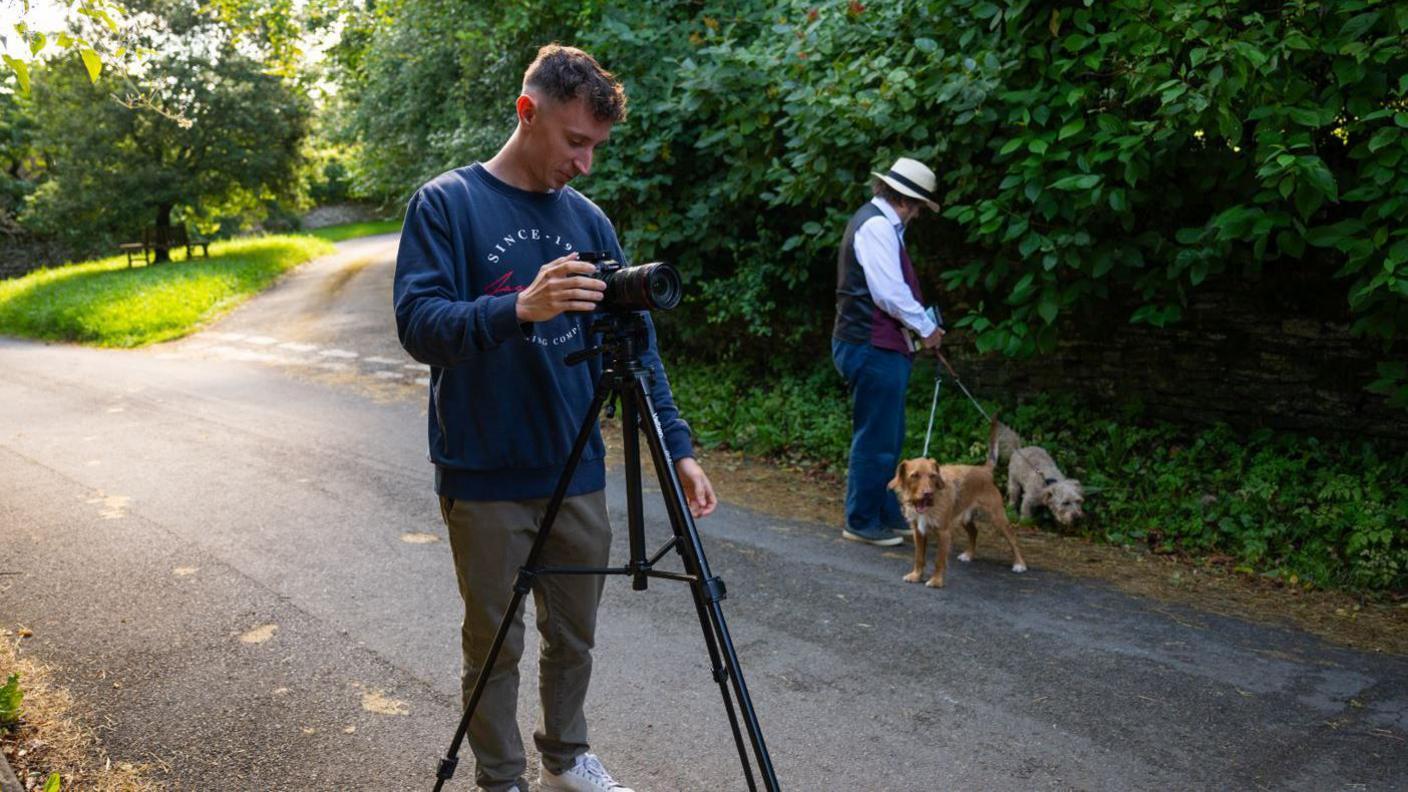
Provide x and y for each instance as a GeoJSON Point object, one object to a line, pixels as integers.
{"type": "Point", "coordinates": [644, 287]}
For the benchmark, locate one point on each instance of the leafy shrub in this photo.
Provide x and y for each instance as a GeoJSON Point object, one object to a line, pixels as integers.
{"type": "Point", "coordinates": [10, 697]}
{"type": "Point", "coordinates": [1328, 514]}
{"type": "Point", "coordinates": [1087, 151]}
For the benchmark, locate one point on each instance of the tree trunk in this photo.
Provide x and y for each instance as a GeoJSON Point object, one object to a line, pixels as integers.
{"type": "Point", "coordinates": [163, 233]}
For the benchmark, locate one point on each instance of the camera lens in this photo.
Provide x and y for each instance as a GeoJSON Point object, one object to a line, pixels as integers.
{"type": "Point", "coordinates": [664, 286]}
{"type": "Point", "coordinates": [648, 287]}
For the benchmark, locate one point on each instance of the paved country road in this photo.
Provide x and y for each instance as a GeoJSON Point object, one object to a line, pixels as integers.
{"type": "Point", "coordinates": [228, 547]}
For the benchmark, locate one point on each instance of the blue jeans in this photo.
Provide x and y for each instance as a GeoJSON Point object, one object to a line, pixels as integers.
{"type": "Point", "coordinates": [877, 379]}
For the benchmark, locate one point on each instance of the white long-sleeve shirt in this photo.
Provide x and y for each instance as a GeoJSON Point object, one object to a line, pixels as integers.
{"type": "Point", "coordinates": [877, 244]}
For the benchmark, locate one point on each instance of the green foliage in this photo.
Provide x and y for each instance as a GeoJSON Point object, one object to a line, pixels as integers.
{"type": "Point", "coordinates": [91, 43]}
{"type": "Point", "coordinates": [327, 178]}
{"type": "Point", "coordinates": [106, 304]}
{"type": "Point", "coordinates": [226, 140]}
{"type": "Point", "coordinates": [54, 783]}
{"type": "Point", "coordinates": [1287, 506]}
{"type": "Point", "coordinates": [429, 86]}
{"type": "Point", "coordinates": [1090, 154]}
{"type": "Point", "coordinates": [1329, 514]}
{"type": "Point", "coordinates": [10, 697]}
{"type": "Point", "coordinates": [16, 148]}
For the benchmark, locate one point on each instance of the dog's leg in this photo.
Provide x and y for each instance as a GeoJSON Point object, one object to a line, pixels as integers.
{"type": "Point", "coordinates": [920, 542]}
{"type": "Point", "coordinates": [1030, 500]}
{"type": "Point", "coordinates": [1014, 488]}
{"type": "Point", "coordinates": [972, 550]}
{"type": "Point", "coordinates": [1018, 564]}
{"type": "Point", "coordinates": [941, 563]}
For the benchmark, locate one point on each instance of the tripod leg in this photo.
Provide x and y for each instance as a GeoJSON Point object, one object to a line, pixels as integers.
{"type": "Point", "coordinates": [521, 586]}
{"type": "Point", "coordinates": [635, 517]}
{"type": "Point", "coordinates": [707, 590]}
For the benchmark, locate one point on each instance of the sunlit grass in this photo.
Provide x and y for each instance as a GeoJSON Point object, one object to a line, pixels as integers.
{"type": "Point", "coordinates": [338, 233]}
{"type": "Point", "coordinates": [104, 303]}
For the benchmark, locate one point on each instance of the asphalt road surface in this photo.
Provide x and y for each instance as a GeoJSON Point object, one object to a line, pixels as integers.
{"type": "Point", "coordinates": [229, 548]}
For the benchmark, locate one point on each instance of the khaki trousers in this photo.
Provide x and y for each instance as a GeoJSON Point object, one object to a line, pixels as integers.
{"type": "Point", "coordinates": [490, 541]}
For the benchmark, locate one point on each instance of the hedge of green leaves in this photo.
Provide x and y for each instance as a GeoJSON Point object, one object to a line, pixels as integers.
{"type": "Point", "coordinates": [1130, 149]}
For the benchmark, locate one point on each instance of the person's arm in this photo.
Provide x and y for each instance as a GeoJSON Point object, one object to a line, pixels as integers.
{"type": "Point", "coordinates": [434, 326]}
{"type": "Point", "coordinates": [698, 490]}
{"type": "Point", "coordinates": [878, 251]}
{"type": "Point", "coordinates": [679, 440]}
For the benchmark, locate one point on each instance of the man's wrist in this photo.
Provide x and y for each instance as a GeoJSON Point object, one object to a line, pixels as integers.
{"type": "Point", "coordinates": [504, 318]}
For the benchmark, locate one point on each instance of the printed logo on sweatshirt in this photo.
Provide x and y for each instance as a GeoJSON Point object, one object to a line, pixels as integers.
{"type": "Point", "coordinates": [501, 285]}
{"type": "Point", "coordinates": [503, 249]}
{"type": "Point", "coordinates": [506, 242]}
{"type": "Point", "coordinates": [559, 339]}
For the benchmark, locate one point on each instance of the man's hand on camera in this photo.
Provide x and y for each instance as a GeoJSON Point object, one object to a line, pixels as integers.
{"type": "Point", "coordinates": [697, 489]}
{"type": "Point", "coordinates": [934, 339]}
{"type": "Point", "coordinates": [561, 285]}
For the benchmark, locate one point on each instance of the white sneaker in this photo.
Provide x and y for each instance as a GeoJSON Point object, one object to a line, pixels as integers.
{"type": "Point", "coordinates": [587, 775]}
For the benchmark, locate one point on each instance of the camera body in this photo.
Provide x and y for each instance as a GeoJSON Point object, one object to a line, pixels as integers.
{"type": "Point", "coordinates": [646, 287]}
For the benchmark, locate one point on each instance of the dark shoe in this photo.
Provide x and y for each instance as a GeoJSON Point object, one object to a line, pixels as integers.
{"type": "Point", "coordinates": [881, 537]}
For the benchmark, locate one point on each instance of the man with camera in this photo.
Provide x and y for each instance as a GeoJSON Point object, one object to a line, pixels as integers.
{"type": "Point", "coordinates": [490, 293]}
{"type": "Point", "coordinates": [880, 320]}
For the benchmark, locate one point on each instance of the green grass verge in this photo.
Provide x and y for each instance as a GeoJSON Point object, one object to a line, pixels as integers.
{"type": "Point", "coordinates": [1288, 506]}
{"type": "Point", "coordinates": [105, 303]}
{"type": "Point", "coordinates": [337, 233]}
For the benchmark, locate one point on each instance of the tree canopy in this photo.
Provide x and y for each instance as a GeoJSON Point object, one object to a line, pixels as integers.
{"type": "Point", "coordinates": [224, 134]}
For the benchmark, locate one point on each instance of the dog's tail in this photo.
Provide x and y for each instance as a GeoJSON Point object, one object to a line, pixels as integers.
{"type": "Point", "coordinates": [1008, 442]}
{"type": "Point", "coordinates": [992, 442]}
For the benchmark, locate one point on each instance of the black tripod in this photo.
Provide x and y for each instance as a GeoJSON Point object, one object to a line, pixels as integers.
{"type": "Point", "coordinates": [625, 378]}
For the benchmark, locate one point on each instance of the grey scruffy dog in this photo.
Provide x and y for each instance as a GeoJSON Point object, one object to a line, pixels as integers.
{"type": "Point", "coordinates": [1034, 480]}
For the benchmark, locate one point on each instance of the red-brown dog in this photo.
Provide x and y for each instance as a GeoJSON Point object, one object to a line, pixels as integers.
{"type": "Point", "coordinates": [944, 496]}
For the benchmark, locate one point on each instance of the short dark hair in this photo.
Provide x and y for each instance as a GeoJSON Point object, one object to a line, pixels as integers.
{"type": "Point", "coordinates": [565, 73]}
{"type": "Point", "coordinates": [894, 197]}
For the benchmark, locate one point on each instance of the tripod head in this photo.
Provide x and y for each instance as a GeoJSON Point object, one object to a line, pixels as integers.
{"type": "Point", "coordinates": [624, 338]}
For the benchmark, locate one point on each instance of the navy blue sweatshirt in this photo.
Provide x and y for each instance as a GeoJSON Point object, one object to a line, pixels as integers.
{"type": "Point", "coordinates": [504, 405]}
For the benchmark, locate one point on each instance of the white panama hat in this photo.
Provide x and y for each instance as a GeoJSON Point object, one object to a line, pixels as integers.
{"type": "Point", "coordinates": [912, 178]}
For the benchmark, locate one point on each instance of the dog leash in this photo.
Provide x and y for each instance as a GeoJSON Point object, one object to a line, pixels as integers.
{"type": "Point", "coordinates": [961, 387]}
{"type": "Point", "coordinates": [934, 405]}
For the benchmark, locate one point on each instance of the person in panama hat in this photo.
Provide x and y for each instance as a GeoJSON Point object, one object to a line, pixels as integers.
{"type": "Point", "coordinates": [879, 306]}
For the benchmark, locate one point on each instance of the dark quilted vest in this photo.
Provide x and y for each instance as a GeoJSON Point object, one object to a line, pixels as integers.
{"type": "Point", "coordinates": [858, 318]}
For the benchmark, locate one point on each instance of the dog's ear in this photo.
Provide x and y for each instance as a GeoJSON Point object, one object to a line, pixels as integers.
{"type": "Point", "coordinates": [898, 481]}
{"type": "Point", "coordinates": [938, 475]}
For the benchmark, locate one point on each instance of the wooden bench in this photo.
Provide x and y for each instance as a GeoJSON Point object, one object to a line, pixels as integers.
{"type": "Point", "coordinates": [168, 238]}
